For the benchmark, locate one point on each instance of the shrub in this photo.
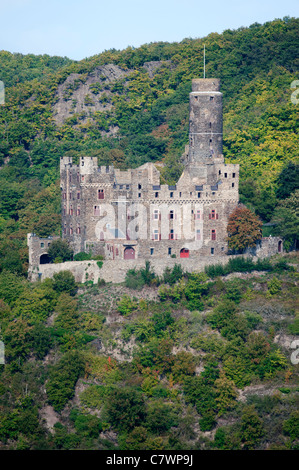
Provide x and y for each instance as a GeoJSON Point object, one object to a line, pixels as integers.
{"type": "Point", "coordinates": [126, 305]}
{"type": "Point", "coordinates": [183, 365]}
{"type": "Point", "coordinates": [291, 426]}
{"type": "Point", "coordinates": [41, 340]}
{"type": "Point", "coordinates": [60, 249]}
{"type": "Point", "coordinates": [161, 417]}
{"type": "Point", "coordinates": [233, 290]}
{"type": "Point", "coordinates": [171, 276]}
{"type": "Point", "coordinates": [64, 281]}
{"type": "Point", "coordinates": [94, 396]}
{"type": "Point", "coordinates": [134, 279]}
{"type": "Point", "coordinates": [208, 421]}
{"type": "Point", "coordinates": [274, 286]}
{"type": "Point", "coordinates": [196, 287]}
{"type": "Point", "coordinates": [252, 428]}
{"type": "Point", "coordinates": [215, 270]}
{"type": "Point", "coordinates": [62, 379]}
{"type": "Point", "coordinates": [282, 265]}
{"type": "Point", "coordinates": [86, 425]}
{"type": "Point", "coordinates": [137, 279]}
{"type": "Point", "coordinates": [82, 256]}
{"type": "Point", "coordinates": [125, 409]}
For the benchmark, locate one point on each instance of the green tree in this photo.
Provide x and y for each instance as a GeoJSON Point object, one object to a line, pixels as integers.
{"type": "Point", "coordinates": [64, 281]}
{"type": "Point", "coordinates": [60, 250]}
{"type": "Point", "coordinates": [41, 340]}
{"type": "Point", "coordinates": [63, 376]}
{"type": "Point", "coordinates": [125, 409]}
{"type": "Point", "coordinates": [160, 416]}
{"type": "Point", "coordinates": [291, 426]}
{"type": "Point", "coordinates": [287, 181]}
{"type": "Point", "coordinates": [252, 428]}
{"type": "Point", "coordinates": [17, 337]}
{"type": "Point", "coordinates": [286, 218]}
{"type": "Point", "coordinates": [67, 309]}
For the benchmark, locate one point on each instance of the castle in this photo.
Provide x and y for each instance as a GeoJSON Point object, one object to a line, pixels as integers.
{"type": "Point", "coordinates": [129, 215]}
{"type": "Point", "coordinates": [125, 215]}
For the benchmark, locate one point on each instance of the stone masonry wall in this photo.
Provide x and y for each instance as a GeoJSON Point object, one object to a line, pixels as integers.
{"type": "Point", "coordinates": [116, 272]}
{"type": "Point", "coordinates": [110, 271]}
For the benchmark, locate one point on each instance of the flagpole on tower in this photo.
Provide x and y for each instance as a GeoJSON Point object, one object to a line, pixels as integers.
{"type": "Point", "coordinates": [204, 61]}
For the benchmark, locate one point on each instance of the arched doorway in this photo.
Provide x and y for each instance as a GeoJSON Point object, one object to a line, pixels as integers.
{"type": "Point", "coordinates": [184, 253]}
{"type": "Point", "coordinates": [129, 253]}
{"type": "Point", "coordinates": [279, 246]}
{"type": "Point", "coordinates": [45, 259]}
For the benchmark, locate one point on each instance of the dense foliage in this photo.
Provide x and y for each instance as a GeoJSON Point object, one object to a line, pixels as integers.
{"type": "Point", "coordinates": [178, 361]}
{"type": "Point", "coordinates": [186, 361]}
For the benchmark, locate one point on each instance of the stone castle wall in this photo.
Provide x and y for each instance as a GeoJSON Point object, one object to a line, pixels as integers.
{"type": "Point", "coordinates": [110, 271]}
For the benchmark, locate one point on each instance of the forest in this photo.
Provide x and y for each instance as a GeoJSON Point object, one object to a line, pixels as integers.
{"type": "Point", "coordinates": [198, 361]}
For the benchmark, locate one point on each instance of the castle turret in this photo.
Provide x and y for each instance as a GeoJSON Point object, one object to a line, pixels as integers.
{"type": "Point", "coordinates": [205, 121]}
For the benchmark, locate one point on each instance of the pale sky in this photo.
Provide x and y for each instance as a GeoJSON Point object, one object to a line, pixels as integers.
{"type": "Point", "coordinates": [82, 28]}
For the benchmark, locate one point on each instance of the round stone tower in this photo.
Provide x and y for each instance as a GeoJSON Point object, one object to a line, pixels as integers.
{"type": "Point", "coordinates": [205, 121]}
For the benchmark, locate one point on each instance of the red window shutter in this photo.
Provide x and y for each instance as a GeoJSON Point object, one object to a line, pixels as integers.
{"type": "Point", "coordinates": [210, 216]}
{"type": "Point", "coordinates": [159, 236]}
{"type": "Point", "coordinates": [216, 216]}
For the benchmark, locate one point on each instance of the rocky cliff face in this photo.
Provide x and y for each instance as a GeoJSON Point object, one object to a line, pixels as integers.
{"type": "Point", "coordinates": [85, 94]}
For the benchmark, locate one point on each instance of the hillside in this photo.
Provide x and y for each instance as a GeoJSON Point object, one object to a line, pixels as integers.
{"type": "Point", "coordinates": [200, 361]}
{"type": "Point", "coordinates": [185, 360]}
